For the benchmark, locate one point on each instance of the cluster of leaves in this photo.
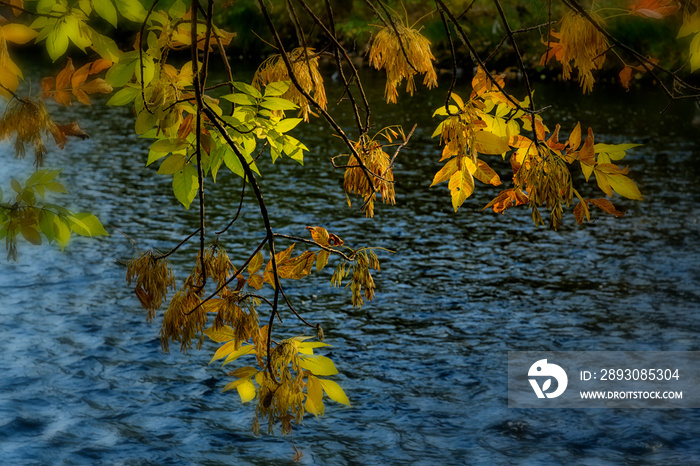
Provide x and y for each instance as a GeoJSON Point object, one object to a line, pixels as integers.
{"type": "Point", "coordinates": [285, 378]}
{"type": "Point", "coordinates": [583, 41]}
{"type": "Point", "coordinates": [491, 123]}
{"type": "Point", "coordinates": [26, 214]}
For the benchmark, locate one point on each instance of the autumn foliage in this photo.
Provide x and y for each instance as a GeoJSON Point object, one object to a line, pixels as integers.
{"type": "Point", "coordinates": [197, 127]}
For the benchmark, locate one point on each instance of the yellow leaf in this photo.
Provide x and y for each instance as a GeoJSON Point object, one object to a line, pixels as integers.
{"type": "Point", "coordinates": [220, 335]}
{"type": "Point", "coordinates": [322, 259]}
{"type": "Point", "coordinates": [486, 174]}
{"type": "Point", "coordinates": [242, 351]}
{"type": "Point", "coordinates": [625, 187]}
{"type": "Point", "coordinates": [255, 263]}
{"type": "Point", "coordinates": [307, 347]}
{"type": "Point", "coordinates": [488, 143]}
{"type": "Point", "coordinates": [314, 397]}
{"type": "Point", "coordinates": [18, 33]}
{"type": "Point", "coordinates": [318, 365]}
{"type": "Point", "coordinates": [461, 186]}
{"type": "Point", "coordinates": [334, 391]}
{"type": "Point", "coordinates": [256, 281]}
{"type": "Point", "coordinates": [246, 391]}
{"type": "Point", "coordinates": [445, 172]}
{"type": "Point", "coordinates": [244, 372]}
{"type": "Point", "coordinates": [224, 351]}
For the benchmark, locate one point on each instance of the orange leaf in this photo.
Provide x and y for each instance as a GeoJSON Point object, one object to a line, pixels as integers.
{"type": "Point", "coordinates": [98, 85]}
{"type": "Point", "coordinates": [63, 78]}
{"type": "Point", "coordinates": [80, 76]}
{"type": "Point", "coordinates": [47, 84]}
{"type": "Point", "coordinates": [656, 9]}
{"type": "Point", "coordinates": [62, 97]}
{"type": "Point", "coordinates": [506, 199]}
{"type": "Point", "coordinates": [320, 235]}
{"type": "Point", "coordinates": [606, 206]}
{"type": "Point", "coordinates": [71, 129]}
{"type": "Point", "coordinates": [100, 64]}
{"type": "Point", "coordinates": [587, 154]}
{"type": "Point", "coordinates": [625, 77]}
{"type": "Point", "coordinates": [81, 96]}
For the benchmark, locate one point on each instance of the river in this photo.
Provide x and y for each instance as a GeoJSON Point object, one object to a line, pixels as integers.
{"type": "Point", "coordinates": [425, 364]}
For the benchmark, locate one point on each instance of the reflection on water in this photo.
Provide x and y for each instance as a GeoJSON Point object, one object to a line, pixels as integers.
{"type": "Point", "coordinates": [424, 364]}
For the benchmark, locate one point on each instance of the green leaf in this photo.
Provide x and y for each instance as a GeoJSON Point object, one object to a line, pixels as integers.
{"type": "Point", "coordinates": [61, 231]}
{"type": "Point", "coordinates": [277, 88]}
{"type": "Point", "coordinates": [240, 99]}
{"type": "Point", "coordinates": [131, 10]}
{"type": "Point", "coordinates": [247, 89]}
{"type": "Point", "coordinates": [178, 10]}
{"type": "Point", "coordinates": [278, 103]}
{"type": "Point", "coordinates": [106, 10]}
{"type": "Point", "coordinates": [334, 391]}
{"type": "Point", "coordinates": [233, 163]}
{"type": "Point", "coordinates": [74, 30]}
{"type": "Point", "coordinates": [46, 220]}
{"type": "Point", "coordinates": [56, 187]}
{"type": "Point", "coordinates": [105, 47]}
{"type": "Point", "coordinates": [614, 151]}
{"type": "Point", "coordinates": [170, 145]}
{"type": "Point", "coordinates": [15, 185]}
{"type": "Point", "coordinates": [86, 224]}
{"type": "Point", "coordinates": [124, 96]}
{"type": "Point", "coordinates": [57, 41]}
{"type": "Point", "coordinates": [121, 73]}
{"type": "Point", "coordinates": [172, 164]}
{"type": "Point", "coordinates": [287, 124]}
{"type": "Point", "coordinates": [185, 185]}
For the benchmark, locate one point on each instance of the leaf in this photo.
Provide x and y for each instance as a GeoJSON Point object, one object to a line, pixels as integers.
{"type": "Point", "coordinates": [98, 85]}
{"type": "Point", "coordinates": [123, 96]}
{"type": "Point", "coordinates": [307, 347]}
{"type": "Point", "coordinates": [220, 335]}
{"type": "Point", "coordinates": [172, 164]}
{"type": "Point", "coordinates": [255, 263]}
{"type": "Point", "coordinates": [318, 365]}
{"type": "Point", "coordinates": [461, 186]}
{"type": "Point", "coordinates": [296, 267]}
{"type": "Point", "coordinates": [277, 88]}
{"type": "Point", "coordinates": [486, 174]}
{"type": "Point", "coordinates": [256, 281]}
{"type": "Point", "coordinates": [247, 89]}
{"type": "Point", "coordinates": [240, 99]}
{"type": "Point", "coordinates": [242, 351]}
{"type": "Point", "coordinates": [64, 77]}
{"type": "Point", "coordinates": [606, 206]}
{"type": "Point", "coordinates": [225, 350]}
{"type": "Point", "coordinates": [186, 185]}
{"type": "Point", "coordinates": [106, 10]}
{"type": "Point", "coordinates": [131, 10]}
{"type": "Point", "coordinates": [31, 235]}
{"type": "Point", "coordinates": [170, 145]}
{"type": "Point", "coordinates": [18, 33]}
{"type": "Point", "coordinates": [334, 391]}
{"type": "Point", "coordinates": [320, 235]}
{"type": "Point", "coordinates": [278, 103]}
{"type": "Point", "coordinates": [322, 259]}
{"type": "Point", "coordinates": [655, 9]}
{"type": "Point", "coordinates": [61, 232]}
{"type": "Point", "coordinates": [60, 133]}
{"type": "Point", "coordinates": [488, 143]}
{"type": "Point", "coordinates": [314, 396]}
{"type": "Point", "coordinates": [86, 224]}
{"type": "Point", "coordinates": [57, 41]}
{"type": "Point", "coordinates": [287, 124]}
{"type": "Point", "coordinates": [446, 171]}
{"type": "Point", "coordinates": [625, 77]}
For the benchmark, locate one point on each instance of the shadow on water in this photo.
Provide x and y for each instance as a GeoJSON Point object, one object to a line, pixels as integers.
{"type": "Point", "coordinates": [424, 364]}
